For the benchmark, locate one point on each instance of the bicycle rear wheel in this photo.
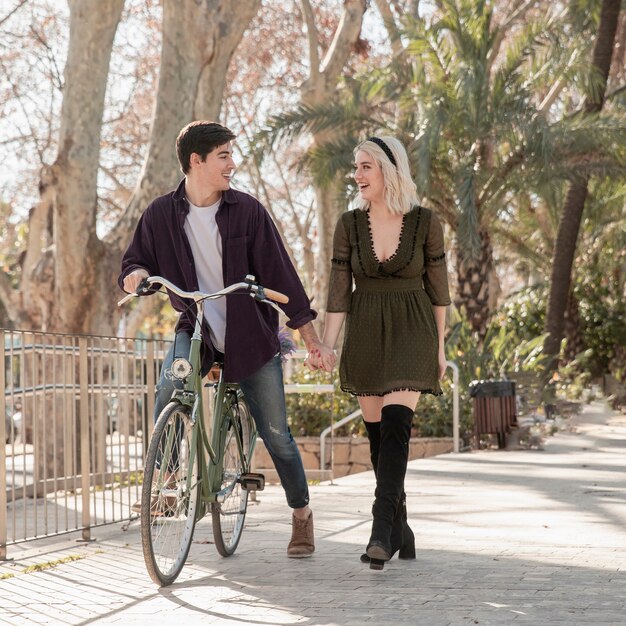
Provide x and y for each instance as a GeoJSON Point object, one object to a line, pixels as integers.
{"type": "Point", "coordinates": [169, 495]}
{"type": "Point", "coordinates": [230, 512]}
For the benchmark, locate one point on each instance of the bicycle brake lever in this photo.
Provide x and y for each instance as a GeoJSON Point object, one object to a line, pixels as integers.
{"type": "Point", "coordinates": [257, 292]}
{"type": "Point", "coordinates": [143, 287]}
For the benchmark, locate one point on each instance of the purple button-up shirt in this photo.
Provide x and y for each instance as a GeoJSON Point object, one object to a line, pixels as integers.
{"type": "Point", "coordinates": [250, 245]}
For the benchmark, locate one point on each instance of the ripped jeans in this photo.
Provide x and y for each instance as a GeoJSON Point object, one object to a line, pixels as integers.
{"type": "Point", "coordinates": [264, 391]}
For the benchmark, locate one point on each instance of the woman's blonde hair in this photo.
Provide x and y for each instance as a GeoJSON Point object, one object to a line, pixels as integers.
{"type": "Point", "coordinates": [400, 190]}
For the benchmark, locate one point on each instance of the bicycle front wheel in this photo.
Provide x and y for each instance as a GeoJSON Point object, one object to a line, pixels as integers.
{"type": "Point", "coordinates": [169, 495]}
{"type": "Point", "coordinates": [229, 512]}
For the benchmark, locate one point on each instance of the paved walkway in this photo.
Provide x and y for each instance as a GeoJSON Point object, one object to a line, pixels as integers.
{"type": "Point", "coordinates": [503, 537]}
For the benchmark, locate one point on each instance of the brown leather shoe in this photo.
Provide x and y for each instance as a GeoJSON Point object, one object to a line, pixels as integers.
{"type": "Point", "coordinates": [302, 542]}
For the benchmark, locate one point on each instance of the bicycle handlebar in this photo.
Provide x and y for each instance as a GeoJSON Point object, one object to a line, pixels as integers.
{"type": "Point", "coordinates": [275, 295]}
{"type": "Point", "coordinates": [256, 290]}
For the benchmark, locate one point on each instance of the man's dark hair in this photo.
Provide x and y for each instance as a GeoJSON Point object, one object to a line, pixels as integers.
{"type": "Point", "coordinates": [200, 137]}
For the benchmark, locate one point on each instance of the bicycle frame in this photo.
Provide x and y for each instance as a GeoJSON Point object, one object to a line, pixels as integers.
{"type": "Point", "coordinates": [191, 396]}
{"type": "Point", "coordinates": [226, 394]}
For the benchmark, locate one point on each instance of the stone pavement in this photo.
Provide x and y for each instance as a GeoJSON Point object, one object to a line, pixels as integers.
{"type": "Point", "coordinates": [503, 537]}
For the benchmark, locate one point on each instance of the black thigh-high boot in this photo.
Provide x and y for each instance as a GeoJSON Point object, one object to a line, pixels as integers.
{"type": "Point", "coordinates": [373, 434]}
{"type": "Point", "coordinates": [395, 432]}
{"type": "Point", "coordinates": [402, 537]}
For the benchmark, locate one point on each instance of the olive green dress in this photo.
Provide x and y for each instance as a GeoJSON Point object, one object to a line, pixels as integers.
{"type": "Point", "coordinates": [390, 340]}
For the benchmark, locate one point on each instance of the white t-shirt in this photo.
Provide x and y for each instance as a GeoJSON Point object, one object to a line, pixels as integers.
{"type": "Point", "coordinates": [206, 247]}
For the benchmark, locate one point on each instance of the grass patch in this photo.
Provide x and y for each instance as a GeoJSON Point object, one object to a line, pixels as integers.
{"type": "Point", "coordinates": [127, 479]}
{"type": "Point", "coordinates": [41, 567]}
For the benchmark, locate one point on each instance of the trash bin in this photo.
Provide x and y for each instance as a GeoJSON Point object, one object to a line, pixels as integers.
{"type": "Point", "coordinates": [494, 408]}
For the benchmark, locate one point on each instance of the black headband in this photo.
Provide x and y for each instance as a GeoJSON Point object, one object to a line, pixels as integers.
{"type": "Point", "coordinates": [385, 148]}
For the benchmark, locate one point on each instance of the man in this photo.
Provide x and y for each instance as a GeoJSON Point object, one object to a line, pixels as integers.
{"type": "Point", "coordinates": [204, 236]}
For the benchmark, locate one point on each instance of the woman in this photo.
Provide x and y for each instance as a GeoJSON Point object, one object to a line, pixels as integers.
{"type": "Point", "coordinates": [393, 347]}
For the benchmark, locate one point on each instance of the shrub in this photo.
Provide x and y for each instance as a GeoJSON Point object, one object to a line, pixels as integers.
{"type": "Point", "coordinates": [310, 413]}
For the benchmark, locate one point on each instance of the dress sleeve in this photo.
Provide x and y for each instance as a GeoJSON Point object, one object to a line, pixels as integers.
{"type": "Point", "coordinates": [340, 283]}
{"type": "Point", "coordinates": [436, 272]}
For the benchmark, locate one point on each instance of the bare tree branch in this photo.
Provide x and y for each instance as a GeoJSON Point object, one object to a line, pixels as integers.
{"type": "Point", "coordinates": [27, 116]}
{"type": "Point", "coordinates": [516, 16]}
{"type": "Point", "coordinates": [345, 36]}
{"type": "Point", "coordinates": [56, 72]}
{"type": "Point", "coordinates": [391, 26]}
{"type": "Point", "coordinates": [10, 13]}
{"type": "Point", "coordinates": [312, 36]}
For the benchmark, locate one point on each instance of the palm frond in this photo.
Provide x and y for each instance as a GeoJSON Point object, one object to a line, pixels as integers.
{"type": "Point", "coordinates": [332, 160]}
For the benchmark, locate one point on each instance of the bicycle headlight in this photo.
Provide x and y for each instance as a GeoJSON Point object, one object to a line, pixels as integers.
{"type": "Point", "coordinates": [181, 368]}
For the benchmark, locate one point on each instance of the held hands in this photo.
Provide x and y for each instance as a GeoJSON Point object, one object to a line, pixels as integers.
{"type": "Point", "coordinates": [320, 357]}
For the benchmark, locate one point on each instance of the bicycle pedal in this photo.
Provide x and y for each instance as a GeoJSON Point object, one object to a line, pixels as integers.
{"type": "Point", "coordinates": [252, 481]}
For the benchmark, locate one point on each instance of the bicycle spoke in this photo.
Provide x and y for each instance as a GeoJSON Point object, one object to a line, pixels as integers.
{"type": "Point", "coordinates": [170, 495]}
{"type": "Point", "coordinates": [230, 510]}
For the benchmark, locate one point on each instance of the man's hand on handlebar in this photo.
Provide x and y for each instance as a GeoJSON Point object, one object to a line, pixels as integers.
{"type": "Point", "coordinates": [140, 282]}
{"type": "Point", "coordinates": [132, 281]}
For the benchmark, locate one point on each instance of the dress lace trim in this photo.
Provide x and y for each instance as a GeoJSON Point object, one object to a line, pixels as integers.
{"type": "Point", "coordinates": [395, 254]}
{"type": "Point", "coordinates": [384, 393]}
{"type": "Point", "coordinates": [358, 241]}
{"type": "Point", "coordinates": [433, 259]}
{"type": "Point", "coordinates": [414, 242]}
{"type": "Point", "coordinates": [340, 261]}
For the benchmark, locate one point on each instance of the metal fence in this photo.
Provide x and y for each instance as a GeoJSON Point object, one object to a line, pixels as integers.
{"type": "Point", "coordinates": [77, 412]}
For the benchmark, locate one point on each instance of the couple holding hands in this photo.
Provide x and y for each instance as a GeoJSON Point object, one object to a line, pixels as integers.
{"type": "Point", "coordinates": [205, 234]}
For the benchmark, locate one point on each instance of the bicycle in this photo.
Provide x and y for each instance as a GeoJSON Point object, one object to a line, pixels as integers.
{"type": "Point", "coordinates": [185, 474]}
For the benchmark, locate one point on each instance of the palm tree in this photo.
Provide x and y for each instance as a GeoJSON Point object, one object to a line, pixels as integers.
{"type": "Point", "coordinates": [569, 224]}
{"type": "Point", "coordinates": [467, 98]}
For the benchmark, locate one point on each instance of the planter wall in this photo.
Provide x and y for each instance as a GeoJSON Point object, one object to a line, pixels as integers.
{"type": "Point", "coordinates": [351, 454]}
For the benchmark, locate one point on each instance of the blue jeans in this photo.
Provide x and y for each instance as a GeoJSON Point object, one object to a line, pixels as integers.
{"type": "Point", "coordinates": [264, 392]}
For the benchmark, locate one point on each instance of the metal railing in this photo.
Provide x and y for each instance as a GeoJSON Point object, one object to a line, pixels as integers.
{"type": "Point", "coordinates": [77, 411]}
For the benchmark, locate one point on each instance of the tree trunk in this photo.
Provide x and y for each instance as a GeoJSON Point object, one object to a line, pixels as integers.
{"type": "Point", "coordinates": [476, 284]}
{"type": "Point", "coordinates": [569, 223]}
{"type": "Point", "coordinates": [573, 332]}
{"type": "Point", "coordinates": [321, 82]}
{"type": "Point", "coordinates": [76, 248]}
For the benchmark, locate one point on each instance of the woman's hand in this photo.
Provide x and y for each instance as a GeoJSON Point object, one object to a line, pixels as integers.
{"type": "Point", "coordinates": [443, 363]}
{"type": "Point", "coordinates": [313, 359]}
{"type": "Point", "coordinates": [328, 358]}
{"type": "Point", "coordinates": [320, 356]}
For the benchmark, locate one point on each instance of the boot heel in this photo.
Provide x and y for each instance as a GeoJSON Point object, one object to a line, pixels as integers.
{"type": "Point", "coordinates": [407, 552]}
{"type": "Point", "coordinates": [377, 564]}
{"type": "Point", "coordinates": [407, 549]}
